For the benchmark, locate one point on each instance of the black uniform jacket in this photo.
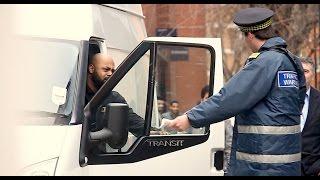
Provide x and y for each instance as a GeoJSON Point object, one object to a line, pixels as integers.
{"type": "Point", "coordinates": [136, 123]}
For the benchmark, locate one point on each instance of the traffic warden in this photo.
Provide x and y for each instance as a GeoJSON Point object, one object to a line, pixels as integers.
{"type": "Point", "coordinates": [266, 97]}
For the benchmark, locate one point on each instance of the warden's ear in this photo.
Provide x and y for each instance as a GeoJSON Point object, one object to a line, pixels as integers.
{"type": "Point", "coordinates": [251, 35]}
{"type": "Point", "coordinates": [91, 68]}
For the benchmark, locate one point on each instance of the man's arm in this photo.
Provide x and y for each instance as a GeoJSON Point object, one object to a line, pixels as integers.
{"type": "Point", "coordinates": [136, 123]}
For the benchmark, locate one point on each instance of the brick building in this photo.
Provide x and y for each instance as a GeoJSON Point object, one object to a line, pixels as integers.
{"type": "Point", "coordinates": [183, 20]}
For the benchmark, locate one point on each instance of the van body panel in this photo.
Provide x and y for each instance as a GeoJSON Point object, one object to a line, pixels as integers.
{"type": "Point", "coordinates": [190, 161]}
{"type": "Point", "coordinates": [72, 24]}
{"type": "Point", "coordinates": [68, 163]}
{"type": "Point", "coordinates": [40, 143]}
{"type": "Point", "coordinates": [135, 9]}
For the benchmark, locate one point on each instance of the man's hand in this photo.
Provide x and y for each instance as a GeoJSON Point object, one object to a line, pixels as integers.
{"type": "Point", "coordinates": [319, 174]}
{"type": "Point", "coordinates": [181, 123]}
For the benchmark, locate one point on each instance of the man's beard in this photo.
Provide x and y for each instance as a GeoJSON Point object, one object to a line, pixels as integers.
{"type": "Point", "coordinates": [97, 81]}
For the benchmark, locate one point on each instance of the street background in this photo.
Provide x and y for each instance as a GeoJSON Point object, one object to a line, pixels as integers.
{"type": "Point", "coordinates": [298, 24]}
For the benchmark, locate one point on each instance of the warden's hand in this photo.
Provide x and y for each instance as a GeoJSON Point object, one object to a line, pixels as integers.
{"type": "Point", "coordinates": [158, 133]}
{"type": "Point", "coordinates": [180, 123]}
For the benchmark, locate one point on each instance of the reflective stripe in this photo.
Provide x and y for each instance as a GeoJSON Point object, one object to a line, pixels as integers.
{"type": "Point", "coordinates": [269, 129]}
{"type": "Point", "coordinates": [268, 158]}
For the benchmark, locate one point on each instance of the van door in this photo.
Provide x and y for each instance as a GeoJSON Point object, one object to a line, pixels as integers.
{"type": "Point", "coordinates": [143, 145]}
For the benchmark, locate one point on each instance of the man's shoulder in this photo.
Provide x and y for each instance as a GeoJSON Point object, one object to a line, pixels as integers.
{"type": "Point", "coordinates": [166, 115]}
{"type": "Point", "coordinates": [276, 60]}
{"type": "Point", "coordinates": [315, 91]}
{"type": "Point", "coordinates": [273, 56]}
{"type": "Point", "coordinates": [266, 59]}
{"type": "Point", "coordinates": [115, 94]}
{"type": "Point", "coordinates": [114, 97]}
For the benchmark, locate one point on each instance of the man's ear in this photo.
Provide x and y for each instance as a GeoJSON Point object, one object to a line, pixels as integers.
{"type": "Point", "coordinates": [91, 68]}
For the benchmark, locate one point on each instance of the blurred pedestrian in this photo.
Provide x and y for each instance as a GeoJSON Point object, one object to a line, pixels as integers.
{"type": "Point", "coordinates": [173, 112]}
{"type": "Point", "coordinates": [310, 124]}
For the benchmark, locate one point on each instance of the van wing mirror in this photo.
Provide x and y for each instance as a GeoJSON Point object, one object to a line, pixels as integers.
{"type": "Point", "coordinates": [115, 131]}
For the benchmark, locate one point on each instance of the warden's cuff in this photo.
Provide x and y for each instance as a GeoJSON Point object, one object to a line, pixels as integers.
{"type": "Point", "coordinates": [192, 119]}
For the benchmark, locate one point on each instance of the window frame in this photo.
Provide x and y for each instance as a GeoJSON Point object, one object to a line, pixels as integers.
{"type": "Point", "coordinates": [145, 146]}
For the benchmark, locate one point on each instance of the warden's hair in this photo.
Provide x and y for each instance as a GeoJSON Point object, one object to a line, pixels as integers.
{"type": "Point", "coordinates": [308, 60]}
{"type": "Point", "coordinates": [264, 34]}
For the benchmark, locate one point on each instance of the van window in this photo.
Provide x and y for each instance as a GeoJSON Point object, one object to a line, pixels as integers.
{"type": "Point", "coordinates": [50, 67]}
{"type": "Point", "coordinates": [182, 72]}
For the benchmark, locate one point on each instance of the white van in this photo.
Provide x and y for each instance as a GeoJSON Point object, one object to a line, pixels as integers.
{"type": "Point", "coordinates": [56, 138]}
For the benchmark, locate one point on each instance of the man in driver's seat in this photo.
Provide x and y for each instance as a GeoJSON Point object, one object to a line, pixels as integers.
{"type": "Point", "coordinates": [100, 68]}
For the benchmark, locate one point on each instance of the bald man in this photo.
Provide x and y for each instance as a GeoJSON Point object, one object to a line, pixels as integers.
{"type": "Point", "coordinates": [100, 68]}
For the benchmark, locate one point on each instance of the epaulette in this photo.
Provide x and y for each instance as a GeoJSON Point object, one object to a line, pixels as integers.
{"type": "Point", "coordinates": [254, 55]}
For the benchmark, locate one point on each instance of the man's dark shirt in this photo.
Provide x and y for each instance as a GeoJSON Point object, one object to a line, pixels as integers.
{"type": "Point", "coordinates": [136, 123]}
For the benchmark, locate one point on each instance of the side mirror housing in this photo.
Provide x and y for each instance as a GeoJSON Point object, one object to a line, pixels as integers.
{"type": "Point", "coordinates": [116, 126]}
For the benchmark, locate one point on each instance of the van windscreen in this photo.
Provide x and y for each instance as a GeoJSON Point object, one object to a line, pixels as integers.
{"type": "Point", "coordinates": [49, 75]}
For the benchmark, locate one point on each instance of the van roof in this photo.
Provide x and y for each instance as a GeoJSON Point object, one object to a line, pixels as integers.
{"type": "Point", "coordinates": [74, 22]}
{"type": "Point", "coordinates": [130, 8]}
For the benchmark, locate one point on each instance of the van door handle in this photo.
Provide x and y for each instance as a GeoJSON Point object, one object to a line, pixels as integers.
{"type": "Point", "coordinates": [217, 156]}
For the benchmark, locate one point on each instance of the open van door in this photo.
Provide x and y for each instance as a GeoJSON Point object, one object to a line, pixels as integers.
{"type": "Point", "coordinates": [119, 145]}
